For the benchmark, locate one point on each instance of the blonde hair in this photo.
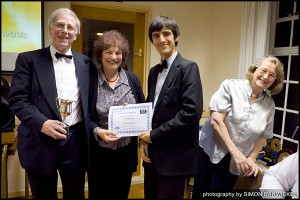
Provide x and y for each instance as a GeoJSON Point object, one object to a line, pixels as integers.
{"type": "Point", "coordinates": [277, 86]}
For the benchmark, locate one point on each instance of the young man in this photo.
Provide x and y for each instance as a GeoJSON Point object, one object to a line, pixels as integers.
{"type": "Point", "coordinates": [170, 149]}
{"type": "Point", "coordinates": [40, 77]}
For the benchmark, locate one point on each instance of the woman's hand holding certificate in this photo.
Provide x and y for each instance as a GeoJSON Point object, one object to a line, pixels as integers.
{"type": "Point", "coordinates": [130, 120]}
{"type": "Point", "coordinates": [107, 135]}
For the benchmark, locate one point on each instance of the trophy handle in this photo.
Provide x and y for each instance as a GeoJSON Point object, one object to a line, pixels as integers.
{"type": "Point", "coordinates": [57, 101]}
{"type": "Point", "coordinates": [69, 107]}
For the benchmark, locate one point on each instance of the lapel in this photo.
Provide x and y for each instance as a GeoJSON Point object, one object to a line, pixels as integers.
{"type": "Point", "coordinates": [153, 79]}
{"type": "Point", "coordinates": [82, 73]}
{"type": "Point", "coordinates": [169, 79]}
{"type": "Point", "coordinates": [45, 74]}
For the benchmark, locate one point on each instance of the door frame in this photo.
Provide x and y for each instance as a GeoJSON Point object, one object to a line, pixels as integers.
{"type": "Point", "coordinates": [143, 13]}
{"type": "Point", "coordinates": [119, 12]}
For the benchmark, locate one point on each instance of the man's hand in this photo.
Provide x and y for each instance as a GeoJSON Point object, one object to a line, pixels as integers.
{"type": "Point", "coordinates": [145, 136]}
{"type": "Point", "coordinates": [53, 129]}
{"type": "Point", "coordinates": [144, 151]}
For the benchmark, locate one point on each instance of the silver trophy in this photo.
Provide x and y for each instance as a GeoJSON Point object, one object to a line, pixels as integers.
{"type": "Point", "coordinates": [65, 109]}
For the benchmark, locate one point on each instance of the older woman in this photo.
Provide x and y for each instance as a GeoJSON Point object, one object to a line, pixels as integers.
{"type": "Point", "coordinates": [112, 159]}
{"type": "Point", "coordinates": [241, 119]}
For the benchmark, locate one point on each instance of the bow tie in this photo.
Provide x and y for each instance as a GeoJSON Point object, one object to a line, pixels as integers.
{"type": "Point", "coordinates": [162, 65]}
{"type": "Point", "coordinates": [59, 55]}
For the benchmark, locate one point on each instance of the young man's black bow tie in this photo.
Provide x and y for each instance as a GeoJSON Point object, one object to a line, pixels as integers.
{"type": "Point", "coordinates": [59, 55]}
{"type": "Point", "coordinates": [164, 64]}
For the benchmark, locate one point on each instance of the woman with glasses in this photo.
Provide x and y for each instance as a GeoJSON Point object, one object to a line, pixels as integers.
{"type": "Point", "coordinates": [241, 119]}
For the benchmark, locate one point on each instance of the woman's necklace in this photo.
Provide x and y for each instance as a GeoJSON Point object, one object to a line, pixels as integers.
{"type": "Point", "coordinates": [253, 98]}
{"type": "Point", "coordinates": [112, 80]}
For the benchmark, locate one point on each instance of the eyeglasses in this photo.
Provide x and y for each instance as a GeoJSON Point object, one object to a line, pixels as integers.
{"type": "Point", "coordinates": [62, 25]}
{"type": "Point", "coordinates": [263, 71]}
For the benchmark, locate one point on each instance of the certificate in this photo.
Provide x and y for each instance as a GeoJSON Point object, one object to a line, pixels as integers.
{"type": "Point", "coordinates": [130, 120]}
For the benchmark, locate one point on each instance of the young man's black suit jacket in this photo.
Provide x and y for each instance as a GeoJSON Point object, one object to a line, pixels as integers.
{"type": "Point", "coordinates": [175, 122]}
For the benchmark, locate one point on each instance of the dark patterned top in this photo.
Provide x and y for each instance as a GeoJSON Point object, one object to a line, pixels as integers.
{"type": "Point", "coordinates": [107, 97]}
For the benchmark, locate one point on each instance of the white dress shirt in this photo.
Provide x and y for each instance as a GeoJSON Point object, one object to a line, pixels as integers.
{"type": "Point", "coordinates": [67, 84]}
{"type": "Point", "coordinates": [162, 77]}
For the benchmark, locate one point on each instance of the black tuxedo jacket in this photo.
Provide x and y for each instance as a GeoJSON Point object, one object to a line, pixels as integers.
{"type": "Point", "coordinates": [32, 97]}
{"type": "Point", "coordinates": [175, 122]}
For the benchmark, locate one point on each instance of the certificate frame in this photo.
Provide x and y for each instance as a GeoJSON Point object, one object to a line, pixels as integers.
{"type": "Point", "coordinates": [138, 116]}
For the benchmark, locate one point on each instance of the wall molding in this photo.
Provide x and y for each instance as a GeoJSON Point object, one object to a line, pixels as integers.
{"type": "Point", "coordinates": [114, 5]}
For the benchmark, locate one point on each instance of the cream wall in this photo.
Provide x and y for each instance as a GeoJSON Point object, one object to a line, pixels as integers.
{"type": "Point", "coordinates": [48, 8]}
{"type": "Point", "coordinates": [196, 24]}
{"type": "Point", "coordinates": [226, 46]}
{"type": "Point", "coordinates": [210, 36]}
